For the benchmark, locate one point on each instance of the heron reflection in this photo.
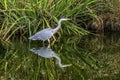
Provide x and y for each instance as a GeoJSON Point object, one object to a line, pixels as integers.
{"type": "Point", "coordinates": [48, 53]}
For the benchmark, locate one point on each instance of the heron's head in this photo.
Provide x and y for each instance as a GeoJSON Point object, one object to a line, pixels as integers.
{"type": "Point", "coordinates": [64, 19]}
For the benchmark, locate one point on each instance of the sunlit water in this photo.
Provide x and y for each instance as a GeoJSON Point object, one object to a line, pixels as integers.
{"type": "Point", "coordinates": [69, 58]}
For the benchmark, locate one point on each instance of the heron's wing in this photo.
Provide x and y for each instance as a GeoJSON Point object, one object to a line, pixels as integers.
{"type": "Point", "coordinates": [42, 35]}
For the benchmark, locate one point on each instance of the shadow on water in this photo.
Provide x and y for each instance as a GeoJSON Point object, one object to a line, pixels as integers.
{"type": "Point", "coordinates": [92, 57]}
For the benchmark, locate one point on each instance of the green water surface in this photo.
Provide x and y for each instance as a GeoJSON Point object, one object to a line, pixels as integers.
{"type": "Point", "coordinates": [91, 58]}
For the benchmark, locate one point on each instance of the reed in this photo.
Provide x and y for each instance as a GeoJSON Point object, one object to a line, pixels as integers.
{"type": "Point", "coordinates": [24, 18]}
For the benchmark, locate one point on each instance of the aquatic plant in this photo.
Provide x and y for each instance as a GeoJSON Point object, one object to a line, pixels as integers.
{"type": "Point", "coordinates": [19, 18]}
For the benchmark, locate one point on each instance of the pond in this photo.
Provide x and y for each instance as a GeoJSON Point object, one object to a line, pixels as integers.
{"type": "Point", "coordinates": [91, 57]}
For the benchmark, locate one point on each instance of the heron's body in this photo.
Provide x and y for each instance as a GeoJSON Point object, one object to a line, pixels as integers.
{"type": "Point", "coordinates": [46, 34]}
{"type": "Point", "coordinates": [43, 35]}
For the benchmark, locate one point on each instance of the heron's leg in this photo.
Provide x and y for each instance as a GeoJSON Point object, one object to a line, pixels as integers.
{"type": "Point", "coordinates": [43, 43]}
{"type": "Point", "coordinates": [54, 39]}
{"type": "Point", "coordinates": [48, 41]}
{"type": "Point", "coordinates": [48, 44]}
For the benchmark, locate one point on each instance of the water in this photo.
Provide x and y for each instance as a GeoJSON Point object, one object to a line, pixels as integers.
{"type": "Point", "coordinates": [87, 58]}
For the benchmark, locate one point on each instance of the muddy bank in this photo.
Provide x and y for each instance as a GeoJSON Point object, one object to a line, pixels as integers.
{"type": "Point", "coordinates": [105, 22]}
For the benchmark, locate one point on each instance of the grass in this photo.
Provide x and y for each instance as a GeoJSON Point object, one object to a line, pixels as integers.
{"type": "Point", "coordinates": [24, 18]}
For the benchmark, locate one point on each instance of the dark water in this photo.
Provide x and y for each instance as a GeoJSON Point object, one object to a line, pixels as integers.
{"type": "Point", "coordinates": [69, 58]}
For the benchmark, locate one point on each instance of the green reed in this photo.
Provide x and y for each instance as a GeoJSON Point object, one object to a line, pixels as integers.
{"type": "Point", "coordinates": [19, 18]}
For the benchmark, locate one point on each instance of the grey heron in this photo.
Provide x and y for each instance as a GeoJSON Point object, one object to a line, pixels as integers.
{"type": "Point", "coordinates": [48, 53]}
{"type": "Point", "coordinates": [47, 33]}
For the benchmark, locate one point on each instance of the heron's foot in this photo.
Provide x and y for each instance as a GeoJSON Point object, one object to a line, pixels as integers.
{"type": "Point", "coordinates": [48, 41]}
{"type": "Point", "coordinates": [48, 46]}
{"type": "Point", "coordinates": [43, 43]}
{"type": "Point", "coordinates": [54, 39]}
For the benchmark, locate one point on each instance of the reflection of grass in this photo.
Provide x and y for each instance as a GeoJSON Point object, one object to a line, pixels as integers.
{"type": "Point", "coordinates": [106, 50]}
{"type": "Point", "coordinates": [19, 63]}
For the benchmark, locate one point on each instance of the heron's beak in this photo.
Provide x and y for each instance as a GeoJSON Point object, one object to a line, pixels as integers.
{"type": "Point", "coordinates": [69, 64]}
{"type": "Point", "coordinates": [68, 19]}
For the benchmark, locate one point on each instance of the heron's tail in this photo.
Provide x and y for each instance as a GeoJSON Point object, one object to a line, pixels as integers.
{"type": "Point", "coordinates": [32, 38]}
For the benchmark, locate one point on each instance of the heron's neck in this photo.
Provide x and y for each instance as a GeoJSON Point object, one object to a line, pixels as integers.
{"type": "Point", "coordinates": [58, 27]}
